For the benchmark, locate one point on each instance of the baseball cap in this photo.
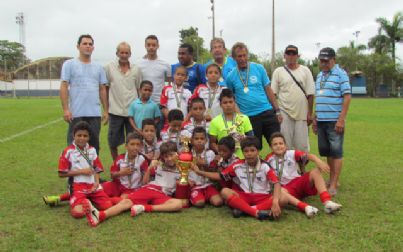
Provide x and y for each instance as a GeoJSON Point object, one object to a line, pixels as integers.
{"type": "Point", "coordinates": [327, 53]}
{"type": "Point", "coordinates": [291, 48]}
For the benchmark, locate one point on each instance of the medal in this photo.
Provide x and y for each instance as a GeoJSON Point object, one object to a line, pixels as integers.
{"type": "Point", "coordinates": [245, 90]}
{"type": "Point", "coordinates": [321, 92]}
{"type": "Point", "coordinates": [244, 81]}
{"type": "Point", "coordinates": [209, 111]}
{"type": "Point", "coordinates": [221, 79]}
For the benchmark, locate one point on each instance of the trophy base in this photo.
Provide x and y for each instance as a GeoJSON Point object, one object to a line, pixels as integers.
{"type": "Point", "coordinates": [182, 191]}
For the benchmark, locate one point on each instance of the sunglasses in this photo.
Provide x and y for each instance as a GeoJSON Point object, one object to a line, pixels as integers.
{"type": "Point", "coordinates": [291, 53]}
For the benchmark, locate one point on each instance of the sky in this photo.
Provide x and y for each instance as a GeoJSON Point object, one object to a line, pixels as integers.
{"type": "Point", "coordinates": [52, 27]}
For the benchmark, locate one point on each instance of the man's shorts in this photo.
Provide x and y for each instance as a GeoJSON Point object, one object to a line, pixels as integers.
{"type": "Point", "coordinates": [99, 197]}
{"type": "Point", "coordinates": [119, 127]}
{"type": "Point", "coordinates": [301, 187]}
{"type": "Point", "coordinates": [330, 143]}
{"type": "Point", "coordinates": [148, 196]}
{"type": "Point", "coordinates": [203, 194]}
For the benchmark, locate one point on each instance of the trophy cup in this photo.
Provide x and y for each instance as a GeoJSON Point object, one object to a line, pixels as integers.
{"type": "Point", "coordinates": [184, 161]}
{"type": "Point", "coordinates": [233, 131]}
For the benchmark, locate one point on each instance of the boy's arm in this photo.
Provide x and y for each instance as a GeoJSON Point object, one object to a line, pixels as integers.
{"type": "Point", "coordinates": [133, 124]}
{"type": "Point", "coordinates": [324, 167]}
{"type": "Point", "coordinates": [210, 175]}
{"type": "Point", "coordinates": [96, 183]}
{"type": "Point", "coordinates": [275, 208]}
{"type": "Point", "coordinates": [86, 172]}
{"type": "Point", "coordinates": [146, 176]}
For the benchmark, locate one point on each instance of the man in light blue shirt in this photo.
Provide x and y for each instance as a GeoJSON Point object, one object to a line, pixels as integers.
{"type": "Point", "coordinates": [333, 95]}
{"type": "Point", "coordinates": [251, 86]}
{"type": "Point", "coordinates": [218, 52]}
{"type": "Point", "coordinates": [82, 90]}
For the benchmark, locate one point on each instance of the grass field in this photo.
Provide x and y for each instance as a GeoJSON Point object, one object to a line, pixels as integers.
{"type": "Point", "coordinates": [371, 194]}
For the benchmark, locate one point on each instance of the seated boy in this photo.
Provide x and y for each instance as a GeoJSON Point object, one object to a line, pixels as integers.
{"type": "Point", "coordinates": [80, 163]}
{"type": "Point", "coordinates": [156, 196]}
{"type": "Point", "coordinates": [252, 188]}
{"type": "Point", "coordinates": [285, 163]}
{"type": "Point", "coordinates": [173, 132]}
{"type": "Point", "coordinates": [128, 169]}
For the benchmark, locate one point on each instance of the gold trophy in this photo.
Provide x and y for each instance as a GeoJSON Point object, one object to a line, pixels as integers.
{"type": "Point", "coordinates": [185, 159]}
{"type": "Point", "coordinates": [234, 133]}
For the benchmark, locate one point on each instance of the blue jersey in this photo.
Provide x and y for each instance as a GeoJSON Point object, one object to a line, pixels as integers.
{"type": "Point", "coordinates": [330, 89]}
{"type": "Point", "coordinates": [229, 64]}
{"type": "Point", "coordinates": [255, 100]}
{"type": "Point", "coordinates": [196, 75]}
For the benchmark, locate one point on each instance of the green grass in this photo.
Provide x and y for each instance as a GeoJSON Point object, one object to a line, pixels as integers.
{"type": "Point", "coordinates": [371, 194]}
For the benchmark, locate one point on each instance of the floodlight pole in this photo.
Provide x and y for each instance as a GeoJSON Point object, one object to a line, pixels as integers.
{"type": "Point", "coordinates": [213, 16]}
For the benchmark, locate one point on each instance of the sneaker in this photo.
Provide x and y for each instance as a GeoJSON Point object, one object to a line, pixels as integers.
{"type": "Point", "coordinates": [331, 207]}
{"type": "Point", "coordinates": [236, 213]}
{"type": "Point", "coordinates": [265, 215]}
{"type": "Point", "coordinates": [136, 210]}
{"type": "Point", "coordinates": [51, 200]}
{"type": "Point", "coordinates": [311, 211]}
{"type": "Point", "coordinates": [92, 215]}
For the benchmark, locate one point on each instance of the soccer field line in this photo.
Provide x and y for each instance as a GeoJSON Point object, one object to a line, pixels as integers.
{"type": "Point", "coordinates": [6, 139]}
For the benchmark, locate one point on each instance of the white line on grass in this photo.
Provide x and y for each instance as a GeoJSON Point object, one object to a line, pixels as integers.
{"type": "Point", "coordinates": [29, 130]}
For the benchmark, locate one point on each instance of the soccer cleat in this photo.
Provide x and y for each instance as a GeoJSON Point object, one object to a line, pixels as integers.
{"type": "Point", "coordinates": [51, 200]}
{"type": "Point", "coordinates": [331, 207]}
{"type": "Point", "coordinates": [236, 213]}
{"type": "Point", "coordinates": [264, 215]}
{"type": "Point", "coordinates": [136, 210]}
{"type": "Point", "coordinates": [92, 215]}
{"type": "Point", "coordinates": [311, 211]}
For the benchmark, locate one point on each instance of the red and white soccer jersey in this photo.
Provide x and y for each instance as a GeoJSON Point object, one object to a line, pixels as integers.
{"type": "Point", "coordinates": [172, 97]}
{"type": "Point", "coordinates": [151, 148]}
{"type": "Point", "coordinates": [287, 167]}
{"type": "Point", "coordinates": [249, 181]}
{"type": "Point", "coordinates": [210, 97]}
{"type": "Point", "coordinates": [168, 136]}
{"type": "Point", "coordinates": [72, 160]}
{"type": "Point", "coordinates": [165, 180]}
{"type": "Point", "coordinates": [139, 167]}
{"type": "Point", "coordinates": [189, 126]}
{"type": "Point", "coordinates": [200, 181]}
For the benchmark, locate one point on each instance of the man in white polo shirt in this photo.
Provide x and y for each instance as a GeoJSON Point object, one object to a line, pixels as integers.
{"type": "Point", "coordinates": [294, 86]}
{"type": "Point", "coordinates": [124, 81]}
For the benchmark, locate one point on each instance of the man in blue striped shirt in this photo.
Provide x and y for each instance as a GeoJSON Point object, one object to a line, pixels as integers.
{"type": "Point", "coordinates": [333, 95]}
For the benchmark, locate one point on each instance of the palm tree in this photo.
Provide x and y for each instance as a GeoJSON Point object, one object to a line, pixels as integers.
{"type": "Point", "coordinates": [350, 56]}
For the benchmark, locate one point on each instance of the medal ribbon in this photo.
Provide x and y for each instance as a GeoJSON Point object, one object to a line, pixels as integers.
{"type": "Point", "coordinates": [279, 168]}
{"type": "Point", "coordinates": [254, 171]}
{"type": "Point", "coordinates": [211, 99]}
{"type": "Point", "coordinates": [324, 80]}
{"type": "Point", "coordinates": [178, 100]}
{"type": "Point", "coordinates": [244, 82]}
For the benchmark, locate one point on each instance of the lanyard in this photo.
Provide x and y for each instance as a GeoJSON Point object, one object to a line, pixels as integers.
{"type": "Point", "coordinates": [178, 100]}
{"type": "Point", "coordinates": [176, 138]}
{"type": "Point", "coordinates": [203, 124]}
{"type": "Point", "coordinates": [131, 166]}
{"type": "Point", "coordinates": [254, 171]}
{"type": "Point", "coordinates": [211, 99]}
{"type": "Point", "coordinates": [324, 80]}
{"type": "Point", "coordinates": [279, 168]}
{"type": "Point", "coordinates": [244, 81]}
{"type": "Point", "coordinates": [84, 154]}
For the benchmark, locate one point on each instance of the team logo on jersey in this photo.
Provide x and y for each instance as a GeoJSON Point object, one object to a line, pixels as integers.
{"type": "Point", "coordinates": [253, 79]}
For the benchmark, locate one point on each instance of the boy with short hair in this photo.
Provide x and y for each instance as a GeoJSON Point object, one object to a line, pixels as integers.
{"type": "Point", "coordinates": [229, 123]}
{"type": "Point", "coordinates": [80, 163]}
{"type": "Point", "coordinates": [143, 107]}
{"type": "Point", "coordinates": [128, 169]}
{"type": "Point", "coordinates": [197, 118]}
{"type": "Point", "coordinates": [151, 146]}
{"type": "Point", "coordinates": [285, 163]}
{"type": "Point", "coordinates": [173, 131]}
{"type": "Point", "coordinates": [156, 196]}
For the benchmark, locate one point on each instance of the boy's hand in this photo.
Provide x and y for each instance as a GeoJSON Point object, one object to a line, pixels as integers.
{"type": "Point", "coordinates": [87, 172]}
{"type": "Point", "coordinates": [201, 162]}
{"type": "Point", "coordinates": [194, 167]}
{"type": "Point", "coordinates": [208, 117]}
{"type": "Point", "coordinates": [217, 159]}
{"type": "Point", "coordinates": [275, 210]}
{"type": "Point", "coordinates": [95, 187]}
{"type": "Point", "coordinates": [154, 163]}
{"type": "Point", "coordinates": [323, 167]}
{"type": "Point", "coordinates": [126, 171]}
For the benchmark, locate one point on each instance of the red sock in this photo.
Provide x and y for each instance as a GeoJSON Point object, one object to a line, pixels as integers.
{"type": "Point", "coordinates": [325, 196]}
{"type": "Point", "coordinates": [265, 205]}
{"type": "Point", "coordinates": [102, 216]}
{"type": "Point", "coordinates": [148, 208]}
{"type": "Point", "coordinates": [65, 196]}
{"type": "Point", "coordinates": [115, 200]}
{"type": "Point", "coordinates": [238, 203]}
{"type": "Point", "coordinates": [301, 206]}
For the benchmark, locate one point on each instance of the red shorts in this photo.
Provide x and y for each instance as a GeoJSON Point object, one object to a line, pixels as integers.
{"type": "Point", "coordinates": [113, 189]}
{"type": "Point", "coordinates": [147, 195]}
{"type": "Point", "coordinates": [203, 194]}
{"type": "Point", "coordinates": [81, 193]}
{"type": "Point", "coordinates": [301, 187]}
{"type": "Point", "coordinates": [253, 198]}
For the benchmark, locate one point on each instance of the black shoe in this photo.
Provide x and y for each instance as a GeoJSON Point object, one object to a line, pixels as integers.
{"type": "Point", "coordinates": [236, 213]}
{"type": "Point", "coordinates": [265, 215]}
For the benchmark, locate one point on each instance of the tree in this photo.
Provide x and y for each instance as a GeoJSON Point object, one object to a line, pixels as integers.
{"type": "Point", "coordinates": [12, 55]}
{"type": "Point", "coordinates": [191, 36]}
{"type": "Point", "coordinates": [350, 57]}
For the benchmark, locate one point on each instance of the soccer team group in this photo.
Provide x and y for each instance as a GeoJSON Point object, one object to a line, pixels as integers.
{"type": "Point", "coordinates": [216, 118]}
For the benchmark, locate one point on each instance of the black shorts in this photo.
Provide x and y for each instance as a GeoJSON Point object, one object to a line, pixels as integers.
{"type": "Point", "coordinates": [119, 127]}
